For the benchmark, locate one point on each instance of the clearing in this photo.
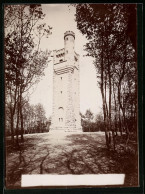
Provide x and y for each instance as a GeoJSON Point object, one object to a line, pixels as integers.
{"type": "Point", "coordinates": [67, 153]}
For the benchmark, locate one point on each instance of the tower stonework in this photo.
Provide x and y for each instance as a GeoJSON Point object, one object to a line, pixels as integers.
{"type": "Point", "coordinates": [66, 91]}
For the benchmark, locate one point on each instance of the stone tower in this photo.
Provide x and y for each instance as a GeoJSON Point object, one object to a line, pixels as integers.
{"type": "Point", "coordinates": [66, 99]}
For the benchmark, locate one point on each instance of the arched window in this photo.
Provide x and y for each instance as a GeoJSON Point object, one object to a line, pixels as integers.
{"type": "Point", "coordinates": [60, 110]}
{"type": "Point", "coordinates": [60, 114]}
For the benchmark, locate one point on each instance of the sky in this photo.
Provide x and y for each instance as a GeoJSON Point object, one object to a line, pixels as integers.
{"type": "Point", "coordinates": [61, 18]}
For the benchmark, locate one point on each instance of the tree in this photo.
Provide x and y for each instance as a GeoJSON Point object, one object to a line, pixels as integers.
{"type": "Point", "coordinates": [99, 122]}
{"type": "Point", "coordinates": [24, 61]}
{"type": "Point", "coordinates": [86, 120]}
{"type": "Point", "coordinates": [110, 43]}
{"type": "Point", "coordinates": [34, 118]}
{"type": "Point", "coordinates": [40, 116]}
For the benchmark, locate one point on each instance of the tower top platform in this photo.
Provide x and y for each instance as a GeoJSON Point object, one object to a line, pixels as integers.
{"type": "Point", "coordinates": [67, 33]}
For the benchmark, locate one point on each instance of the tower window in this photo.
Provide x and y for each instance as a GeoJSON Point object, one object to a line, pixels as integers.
{"type": "Point", "coordinates": [75, 58]}
{"type": "Point", "coordinates": [60, 108]}
{"type": "Point", "coordinates": [61, 78]}
{"type": "Point", "coordinates": [60, 119]}
{"type": "Point", "coordinates": [61, 92]}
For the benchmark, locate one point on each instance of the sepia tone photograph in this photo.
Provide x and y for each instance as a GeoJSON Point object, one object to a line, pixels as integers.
{"type": "Point", "coordinates": [71, 91]}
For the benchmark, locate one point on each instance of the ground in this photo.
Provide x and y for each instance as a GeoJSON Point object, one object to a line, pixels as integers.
{"type": "Point", "coordinates": [67, 153]}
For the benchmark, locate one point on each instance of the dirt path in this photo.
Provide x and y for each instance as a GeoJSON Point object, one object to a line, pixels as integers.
{"type": "Point", "coordinates": [62, 153]}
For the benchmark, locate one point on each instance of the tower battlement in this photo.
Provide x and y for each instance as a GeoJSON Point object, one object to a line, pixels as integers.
{"type": "Point", "coordinates": [67, 33]}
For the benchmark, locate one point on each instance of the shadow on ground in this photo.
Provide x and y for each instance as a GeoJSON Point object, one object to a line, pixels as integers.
{"type": "Point", "coordinates": [66, 153]}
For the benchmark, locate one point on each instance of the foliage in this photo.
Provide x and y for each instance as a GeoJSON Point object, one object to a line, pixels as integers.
{"type": "Point", "coordinates": [91, 123]}
{"type": "Point", "coordinates": [24, 61]}
{"type": "Point", "coordinates": [112, 44]}
{"type": "Point", "coordinates": [34, 120]}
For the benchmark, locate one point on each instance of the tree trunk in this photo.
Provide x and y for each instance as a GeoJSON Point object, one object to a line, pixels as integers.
{"type": "Point", "coordinates": [22, 129]}
{"type": "Point", "coordinates": [104, 96]}
{"type": "Point", "coordinates": [12, 129]}
{"type": "Point", "coordinates": [12, 112]}
{"type": "Point", "coordinates": [115, 126]}
{"type": "Point", "coordinates": [17, 126]}
{"type": "Point", "coordinates": [21, 116]}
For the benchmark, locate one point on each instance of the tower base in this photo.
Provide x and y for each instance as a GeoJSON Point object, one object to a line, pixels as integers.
{"type": "Point", "coordinates": [66, 129]}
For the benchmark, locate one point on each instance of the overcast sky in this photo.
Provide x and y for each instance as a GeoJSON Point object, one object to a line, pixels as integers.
{"type": "Point", "coordinates": [61, 18]}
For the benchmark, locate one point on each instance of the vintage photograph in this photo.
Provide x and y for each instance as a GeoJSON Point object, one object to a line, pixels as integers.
{"type": "Point", "coordinates": [71, 112]}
